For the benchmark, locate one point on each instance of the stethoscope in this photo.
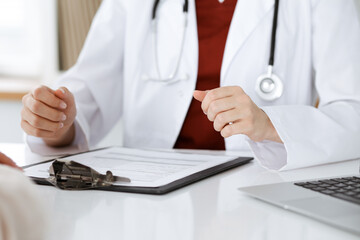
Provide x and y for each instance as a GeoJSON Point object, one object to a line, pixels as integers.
{"type": "Point", "coordinates": [268, 86]}
{"type": "Point", "coordinates": [172, 77]}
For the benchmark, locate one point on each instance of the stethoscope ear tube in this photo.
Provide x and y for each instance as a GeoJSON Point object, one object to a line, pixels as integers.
{"type": "Point", "coordinates": [156, 4]}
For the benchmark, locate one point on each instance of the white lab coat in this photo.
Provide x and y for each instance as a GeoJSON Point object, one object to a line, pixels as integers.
{"type": "Point", "coordinates": [317, 55]}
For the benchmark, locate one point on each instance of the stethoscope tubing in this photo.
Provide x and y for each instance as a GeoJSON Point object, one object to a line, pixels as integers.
{"type": "Point", "coordinates": [273, 33]}
{"type": "Point", "coordinates": [172, 77]}
{"type": "Point", "coordinates": [264, 78]}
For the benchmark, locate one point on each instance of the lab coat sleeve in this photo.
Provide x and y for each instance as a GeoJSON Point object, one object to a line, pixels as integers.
{"type": "Point", "coordinates": [96, 80]}
{"type": "Point", "coordinates": [330, 132]}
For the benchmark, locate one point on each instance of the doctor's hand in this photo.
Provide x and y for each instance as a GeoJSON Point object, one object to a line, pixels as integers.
{"type": "Point", "coordinates": [49, 115]}
{"type": "Point", "coordinates": [233, 112]}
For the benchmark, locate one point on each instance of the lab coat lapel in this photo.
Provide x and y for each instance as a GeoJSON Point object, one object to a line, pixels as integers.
{"type": "Point", "coordinates": [248, 14]}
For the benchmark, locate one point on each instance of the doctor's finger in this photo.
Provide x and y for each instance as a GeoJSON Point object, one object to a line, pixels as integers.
{"type": "Point", "coordinates": [44, 110]}
{"type": "Point", "coordinates": [229, 117]}
{"type": "Point", "coordinates": [47, 96]}
{"type": "Point", "coordinates": [36, 132]}
{"type": "Point", "coordinates": [40, 122]}
{"type": "Point", "coordinates": [219, 93]}
{"type": "Point", "coordinates": [220, 105]}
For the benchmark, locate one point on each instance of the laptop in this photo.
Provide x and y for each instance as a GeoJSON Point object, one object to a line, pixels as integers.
{"type": "Point", "coordinates": [335, 201]}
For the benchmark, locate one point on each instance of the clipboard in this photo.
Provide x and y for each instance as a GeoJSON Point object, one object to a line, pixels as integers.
{"type": "Point", "coordinates": [229, 163]}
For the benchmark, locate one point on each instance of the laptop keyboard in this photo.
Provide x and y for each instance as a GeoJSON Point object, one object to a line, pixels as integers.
{"type": "Point", "coordinates": [347, 188]}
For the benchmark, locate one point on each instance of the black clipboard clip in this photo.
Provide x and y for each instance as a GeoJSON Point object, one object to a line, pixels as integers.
{"type": "Point", "coordinates": [70, 175]}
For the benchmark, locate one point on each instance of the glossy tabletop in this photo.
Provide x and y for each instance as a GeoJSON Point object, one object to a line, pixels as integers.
{"type": "Point", "coordinates": [210, 209]}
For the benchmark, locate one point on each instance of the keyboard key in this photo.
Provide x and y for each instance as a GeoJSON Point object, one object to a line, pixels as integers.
{"type": "Point", "coordinates": [340, 190]}
{"type": "Point", "coordinates": [314, 182]}
{"type": "Point", "coordinates": [348, 188]}
{"type": "Point", "coordinates": [324, 185]}
{"type": "Point", "coordinates": [339, 180]}
{"type": "Point", "coordinates": [328, 182]}
{"type": "Point", "coordinates": [332, 188]}
{"type": "Point", "coordinates": [318, 189]}
{"type": "Point", "coordinates": [340, 185]}
{"type": "Point", "coordinates": [327, 192]}
{"type": "Point", "coordinates": [356, 179]}
{"type": "Point", "coordinates": [350, 183]}
{"type": "Point", "coordinates": [310, 186]}
{"type": "Point", "coordinates": [350, 193]}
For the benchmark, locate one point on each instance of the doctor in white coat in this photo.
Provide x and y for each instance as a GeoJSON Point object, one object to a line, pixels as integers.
{"type": "Point", "coordinates": [118, 75]}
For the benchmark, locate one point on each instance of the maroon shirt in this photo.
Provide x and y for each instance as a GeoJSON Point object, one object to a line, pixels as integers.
{"type": "Point", "coordinates": [213, 22]}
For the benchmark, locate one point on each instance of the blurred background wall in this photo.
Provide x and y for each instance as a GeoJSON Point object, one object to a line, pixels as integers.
{"type": "Point", "coordinates": [63, 26]}
{"type": "Point", "coordinates": [72, 22]}
{"type": "Point", "coordinates": [75, 18]}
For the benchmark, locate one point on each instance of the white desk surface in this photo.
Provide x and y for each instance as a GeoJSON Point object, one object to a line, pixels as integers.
{"type": "Point", "coordinates": [210, 209]}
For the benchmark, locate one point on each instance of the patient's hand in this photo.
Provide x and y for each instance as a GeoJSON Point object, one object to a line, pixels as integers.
{"type": "Point", "coordinates": [7, 161]}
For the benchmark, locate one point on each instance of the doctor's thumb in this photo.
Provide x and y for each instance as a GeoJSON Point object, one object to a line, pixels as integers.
{"type": "Point", "coordinates": [199, 95]}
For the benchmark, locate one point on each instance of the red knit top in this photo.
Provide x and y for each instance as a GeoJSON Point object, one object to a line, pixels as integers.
{"type": "Point", "coordinates": [213, 22]}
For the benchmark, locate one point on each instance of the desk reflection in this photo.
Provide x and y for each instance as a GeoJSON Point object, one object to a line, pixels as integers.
{"type": "Point", "coordinates": [132, 216]}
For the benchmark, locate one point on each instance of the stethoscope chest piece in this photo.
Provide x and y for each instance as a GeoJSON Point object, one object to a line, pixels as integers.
{"type": "Point", "coordinates": [268, 86]}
